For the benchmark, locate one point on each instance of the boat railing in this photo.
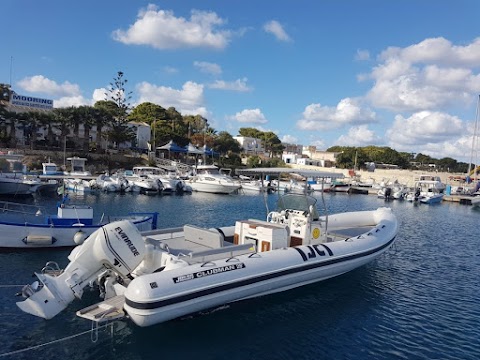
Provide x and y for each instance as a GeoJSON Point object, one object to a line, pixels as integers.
{"type": "Point", "coordinates": [28, 211]}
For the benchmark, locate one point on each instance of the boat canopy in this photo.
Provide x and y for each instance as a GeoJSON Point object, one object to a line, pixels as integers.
{"type": "Point", "coordinates": [278, 171]}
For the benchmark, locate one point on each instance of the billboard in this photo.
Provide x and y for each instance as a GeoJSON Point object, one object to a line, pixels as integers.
{"type": "Point", "coordinates": [32, 102]}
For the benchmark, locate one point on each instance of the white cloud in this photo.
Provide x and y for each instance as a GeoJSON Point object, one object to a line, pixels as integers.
{"type": "Point", "coordinates": [319, 144]}
{"type": "Point", "coordinates": [347, 112]}
{"type": "Point", "coordinates": [162, 30]}
{"type": "Point", "coordinates": [43, 85]}
{"type": "Point", "coordinates": [239, 85]}
{"type": "Point", "coordinates": [209, 68]}
{"type": "Point", "coordinates": [289, 139]}
{"type": "Point", "coordinates": [359, 136]}
{"type": "Point", "coordinates": [188, 100]}
{"type": "Point", "coordinates": [67, 101]}
{"type": "Point", "coordinates": [99, 94]}
{"type": "Point", "coordinates": [253, 116]}
{"type": "Point", "coordinates": [275, 28]}
{"type": "Point", "coordinates": [430, 75]}
{"type": "Point", "coordinates": [435, 134]}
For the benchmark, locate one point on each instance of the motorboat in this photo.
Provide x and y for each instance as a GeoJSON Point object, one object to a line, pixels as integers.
{"type": "Point", "coordinates": [80, 185]}
{"type": "Point", "coordinates": [319, 184]}
{"type": "Point", "coordinates": [393, 190]}
{"type": "Point", "coordinates": [18, 184]}
{"type": "Point", "coordinates": [428, 189]}
{"type": "Point", "coordinates": [475, 201]}
{"type": "Point", "coordinates": [252, 185]}
{"type": "Point", "coordinates": [30, 227]}
{"type": "Point", "coordinates": [155, 276]}
{"type": "Point", "coordinates": [168, 183]}
{"type": "Point", "coordinates": [13, 176]}
{"type": "Point", "coordinates": [116, 183]}
{"type": "Point", "coordinates": [209, 179]}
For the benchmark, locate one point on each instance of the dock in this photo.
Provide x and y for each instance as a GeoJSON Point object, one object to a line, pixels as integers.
{"type": "Point", "coordinates": [462, 199]}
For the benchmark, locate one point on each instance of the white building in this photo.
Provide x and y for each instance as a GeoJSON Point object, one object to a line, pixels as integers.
{"type": "Point", "coordinates": [251, 146]}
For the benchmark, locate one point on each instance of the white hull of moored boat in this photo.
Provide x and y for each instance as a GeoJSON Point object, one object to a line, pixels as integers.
{"type": "Point", "coordinates": [214, 187]}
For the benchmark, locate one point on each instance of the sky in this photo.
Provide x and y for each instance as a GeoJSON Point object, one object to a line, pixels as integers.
{"type": "Point", "coordinates": [402, 74]}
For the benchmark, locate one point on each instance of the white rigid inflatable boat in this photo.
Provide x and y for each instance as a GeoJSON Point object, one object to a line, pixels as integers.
{"type": "Point", "coordinates": [160, 275]}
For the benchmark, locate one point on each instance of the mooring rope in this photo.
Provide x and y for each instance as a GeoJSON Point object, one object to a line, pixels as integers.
{"type": "Point", "coordinates": [53, 341]}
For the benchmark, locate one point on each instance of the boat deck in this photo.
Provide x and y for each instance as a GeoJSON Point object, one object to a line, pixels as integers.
{"type": "Point", "coordinates": [107, 310]}
{"type": "Point", "coordinates": [196, 245]}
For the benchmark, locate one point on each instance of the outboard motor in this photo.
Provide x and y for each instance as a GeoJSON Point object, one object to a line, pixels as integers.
{"type": "Point", "coordinates": [118, 247]}
{"type": "Point", "coordinates": [388, 193]}
{"type": "Point", "coordinates": [179, 188]}
{"type": "Point", "coordinates": [417, 194]}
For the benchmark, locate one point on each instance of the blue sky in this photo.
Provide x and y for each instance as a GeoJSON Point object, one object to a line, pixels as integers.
{"type": "Point", "coordinates": [403, 74]}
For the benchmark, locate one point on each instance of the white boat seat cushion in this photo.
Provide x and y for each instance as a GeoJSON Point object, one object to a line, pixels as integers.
{"type": "Point", "coordinates": [205, 237]}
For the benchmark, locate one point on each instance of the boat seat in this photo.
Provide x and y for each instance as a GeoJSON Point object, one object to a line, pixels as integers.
{"type": "Point", "coordinates": [208, 238]}
{"type": "Point", "coordinates": [217, 254]}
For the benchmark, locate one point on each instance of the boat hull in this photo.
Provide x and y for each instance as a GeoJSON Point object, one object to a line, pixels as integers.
{"type": "Point", "coordinates": [213, 188]}
{"type": "Point", "coordinates": [35, 236]}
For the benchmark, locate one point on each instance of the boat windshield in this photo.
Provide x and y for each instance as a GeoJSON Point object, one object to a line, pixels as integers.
{"type": "Point", "coordinates": [299, 202]}
{"type": "Point", "coordinates": [208, 171]}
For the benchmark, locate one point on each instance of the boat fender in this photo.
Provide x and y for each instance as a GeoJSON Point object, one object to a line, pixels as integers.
{"type": "Point", "coordinates": [79, 237]}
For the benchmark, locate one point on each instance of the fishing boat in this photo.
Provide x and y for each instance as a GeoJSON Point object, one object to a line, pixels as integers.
{"type": "Point", "coordinates": [159, 275]}
{"type": "Point", "coordinates": [25, 226]}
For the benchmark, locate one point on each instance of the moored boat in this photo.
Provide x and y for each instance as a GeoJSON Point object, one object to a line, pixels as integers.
{"type": "Point", "coordinates": [164, 274]}
{"type": "Point", "coordinates": [29, 227]}
{"type": "Point", "coordinates": [209, 179]}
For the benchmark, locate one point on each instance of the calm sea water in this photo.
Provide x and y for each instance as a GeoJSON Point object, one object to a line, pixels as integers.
{"type": "Point", "coordinates": [420, 300]}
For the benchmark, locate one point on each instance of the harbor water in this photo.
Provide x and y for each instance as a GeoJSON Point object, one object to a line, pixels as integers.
{"type": "Point", "coordinates": [419, 300]}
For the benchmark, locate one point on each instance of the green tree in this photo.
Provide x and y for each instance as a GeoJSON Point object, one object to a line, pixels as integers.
{"type": "Point", "coordinates": [225, 144]}
{"type": "Point", "coordinates": [272, 143]}
{"type": "Point", "coordinates": [153, 115]}
{"type": "Point", "coordinates": [251, 132]}
{"type": "Point", "coordinates": [119, 131]}
{"type": "Point", "coordinates": [104, 115]}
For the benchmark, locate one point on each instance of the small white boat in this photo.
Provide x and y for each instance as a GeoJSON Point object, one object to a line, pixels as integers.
{"type": "Point", "coordinates": [252, 185]}
{"type": "Point", "coordinates": [427, 190]}
{"type": "Point", "coordinates": [18, 184]}
{"type": "Point", "coordinates": [13, 177]}
{"type": "Point", "coordinates": [29, 227]}
{"type": "Point", "coordinates": [209, 179]}
{"type": "Point", "coordinates": [109, 183]}
{"type": "Point", "coordinates": [80, 185]}
{"type": "Point", "coordinates": [393, 191]}
{"type": "Point", "coordinates": [475, 201]}
{"type": "Point", "coordinates": [319, 184]}
{"type": "Point", "coordinates": [164, 274]}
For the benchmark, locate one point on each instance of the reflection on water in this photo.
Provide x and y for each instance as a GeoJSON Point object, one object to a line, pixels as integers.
{"type": "Point", "coordinates": [417, 301]}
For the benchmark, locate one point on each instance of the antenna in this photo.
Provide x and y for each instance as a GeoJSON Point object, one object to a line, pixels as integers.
{"type": "Point", "coordinates": [11, 69]}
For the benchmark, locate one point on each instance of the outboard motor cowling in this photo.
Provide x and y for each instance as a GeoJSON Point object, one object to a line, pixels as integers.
{"type": "Point", "coordinates": [117, 246]}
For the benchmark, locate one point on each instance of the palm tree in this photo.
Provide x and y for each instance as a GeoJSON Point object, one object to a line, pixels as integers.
{"type": "Point", "coordinates": [74, 121]}
{"type": "Point", "coordinates": [103, 117]}
{"type": "Point", "coordinates": [87, 116]}
{"type": "Point", "coordinates": [61, 122]}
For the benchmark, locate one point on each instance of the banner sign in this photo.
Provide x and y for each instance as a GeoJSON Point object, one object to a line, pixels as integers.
{"type": "Point", "coordinates": [28, 101]}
